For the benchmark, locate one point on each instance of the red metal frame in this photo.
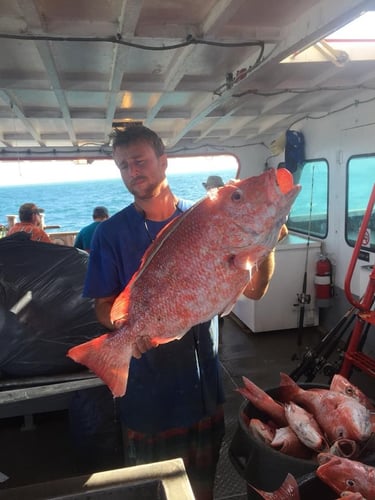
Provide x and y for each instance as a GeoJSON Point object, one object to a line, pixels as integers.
{"type": "Point", "coordinates": [365, 315]}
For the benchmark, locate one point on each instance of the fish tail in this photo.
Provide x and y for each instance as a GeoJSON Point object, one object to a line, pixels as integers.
{"type": "Point", "coordinates": [106, 360]}
{"type": "Point", "coordinates": [288, 388]}
{"type": "Point", "coordinates": [289, 489]}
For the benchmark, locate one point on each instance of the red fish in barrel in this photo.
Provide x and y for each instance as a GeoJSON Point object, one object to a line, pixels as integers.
{"type": "Point", "coordinates": [305, 426]}
{"type": "Point", "coordinates": [261, 400]}
{"type": "Point", "coordinates": [287, 491]}
{"type": "Point", "coordinates": [341, 384]}
{"type": "Point", "coordinates": [287, 442]}
{"type": "Point", "coordinates": [343, 474]}
{"type": "Point", "coordinates": [211, 248]}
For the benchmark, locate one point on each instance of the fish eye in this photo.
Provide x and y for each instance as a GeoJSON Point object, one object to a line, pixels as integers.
{"type": "Point", "coordinates": [237, 195]}
{"type": "Point", "coordinates": [350, 482]}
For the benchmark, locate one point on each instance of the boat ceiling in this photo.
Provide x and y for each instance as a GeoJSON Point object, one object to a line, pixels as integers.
{"type": "Point", "coordinates": [202, 74]}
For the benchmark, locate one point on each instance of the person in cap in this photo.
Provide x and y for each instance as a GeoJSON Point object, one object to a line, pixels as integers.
{"type": "Point", "coordinates": [213, 181]}
{"type": "Point", "coordinates": [30, 222]}
{"type": "Point", "coordinates": [84, 237]}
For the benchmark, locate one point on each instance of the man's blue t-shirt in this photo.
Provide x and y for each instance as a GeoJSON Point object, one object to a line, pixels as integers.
{"type": "Point", "coordinates": [178, 383]}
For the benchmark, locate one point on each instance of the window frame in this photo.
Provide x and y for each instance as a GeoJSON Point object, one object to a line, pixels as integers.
{"type": "Point", "coordinates": [351, 242]}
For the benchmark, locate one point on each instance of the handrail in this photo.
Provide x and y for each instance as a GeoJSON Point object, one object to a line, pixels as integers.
{"type": "Point", "coordinates": [360, 305]}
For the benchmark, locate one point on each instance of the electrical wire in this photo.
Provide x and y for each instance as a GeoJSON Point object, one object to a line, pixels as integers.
{"type": "Point", "coordinates": [274, 93]}
{"type": "Point", "coordinates": [334, 111]}
{"type": "Point", "coordinates": [190, 40]}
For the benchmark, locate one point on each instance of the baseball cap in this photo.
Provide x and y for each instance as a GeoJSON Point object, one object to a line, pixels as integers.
{"type": "Point", "coordinates": [213, 181]}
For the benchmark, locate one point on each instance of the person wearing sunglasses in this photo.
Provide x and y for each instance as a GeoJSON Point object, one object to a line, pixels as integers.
{"type": "Point", "coordinates": [30, 223]}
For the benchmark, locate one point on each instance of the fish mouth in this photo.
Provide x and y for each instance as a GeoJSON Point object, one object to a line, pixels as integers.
{"type": "Point", "coordinates": [325, 458]}
{"type": "Point", "coordinates": [283, 181]}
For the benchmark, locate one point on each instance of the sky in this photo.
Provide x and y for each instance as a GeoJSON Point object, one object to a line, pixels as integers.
{"type": "Point", "coordinates": [32, 172]}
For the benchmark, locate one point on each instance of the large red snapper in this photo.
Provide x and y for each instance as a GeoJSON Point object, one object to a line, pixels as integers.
{"type": "Point", "coordinates": [196, 268]}
{"type": "Point", "coordinates": [344, 474]}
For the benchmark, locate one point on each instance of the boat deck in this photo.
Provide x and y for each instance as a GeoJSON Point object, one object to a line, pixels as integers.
{"type": "Point", "coordinates": [44, 451]}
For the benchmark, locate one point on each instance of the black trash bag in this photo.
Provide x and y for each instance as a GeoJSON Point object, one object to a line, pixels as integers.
{"type": "Point", "coordinates": [35, 341]}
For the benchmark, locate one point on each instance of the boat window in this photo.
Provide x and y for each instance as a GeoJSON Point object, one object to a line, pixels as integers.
{"type": "Point", "coordinates": [359, 185]}
{"type": "Point", "coordinates": [44, 182]}
{"type": "Point", "coordinates": [309, 213]}
{"type": "Point", "coordinates": [186, 175]}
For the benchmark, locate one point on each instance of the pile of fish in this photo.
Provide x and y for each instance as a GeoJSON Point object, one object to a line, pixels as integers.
{"type": "Point", "coordinates": [347, 478]}
{"type": "Point", "coordinates": [305, 422]}
{"type": "Point", "coordinates": [334, 426]}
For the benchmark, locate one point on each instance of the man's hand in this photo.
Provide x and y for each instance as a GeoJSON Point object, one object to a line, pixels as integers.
{"type": "Point", "coordinates": [283, 232]}
{"type": "Point", "coordinates": [142, 345]}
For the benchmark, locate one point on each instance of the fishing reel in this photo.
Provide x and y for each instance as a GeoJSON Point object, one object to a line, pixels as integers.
{"type": "Point", "coordinates": [303, 299]}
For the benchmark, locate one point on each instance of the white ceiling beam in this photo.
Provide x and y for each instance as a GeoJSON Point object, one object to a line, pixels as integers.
{"type": "Point", "coordinates": [11, 100]}
{"type": "Point", "coordinates": [224, 9]}
{"type": "Point", "coordinates": [313, 25]}
{"type": "Point", "coordinates": [127, 22]}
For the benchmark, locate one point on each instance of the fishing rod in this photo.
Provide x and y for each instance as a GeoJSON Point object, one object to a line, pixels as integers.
{"type": "Point", "coordinates": [305, 298]}
{"type": "Point", "coordinates": [316, 358]}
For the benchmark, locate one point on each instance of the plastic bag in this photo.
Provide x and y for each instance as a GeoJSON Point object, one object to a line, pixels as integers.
{"type": "Point", "coordinates": [35, 341]}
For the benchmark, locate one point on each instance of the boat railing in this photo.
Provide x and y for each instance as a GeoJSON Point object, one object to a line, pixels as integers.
{"type": "Point", "coordinates": [63, 238]}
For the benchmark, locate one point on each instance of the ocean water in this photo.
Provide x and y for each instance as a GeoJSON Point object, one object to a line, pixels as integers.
{"type": "Point", "coordinates": [70, 205]}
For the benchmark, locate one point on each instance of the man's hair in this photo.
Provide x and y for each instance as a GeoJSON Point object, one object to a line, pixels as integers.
{"type": "Point", "coordinates": [137, 133]}
{"type": "Point", "coordinates": [27, 210]}
{"type": "Point", "coordinates": [100, 213]}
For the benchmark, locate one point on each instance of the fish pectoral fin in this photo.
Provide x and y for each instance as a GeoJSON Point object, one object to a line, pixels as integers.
{"type": "Point", "coordinates": [103, 356]}
{"type": "Point", "coordinates": [247, 259]}
{"type": "Point", "coordinates": [119, 308]}
{"type": "Point", "coordinates": [228, 308]}
{"type": "Point", "coordinates": [243, 261]}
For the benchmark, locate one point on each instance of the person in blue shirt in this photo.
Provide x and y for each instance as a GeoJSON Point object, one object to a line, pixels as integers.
{"type": "Point", "coordinates": [84, 237]}
{"type": "Point", "coordinates": [173, 406]}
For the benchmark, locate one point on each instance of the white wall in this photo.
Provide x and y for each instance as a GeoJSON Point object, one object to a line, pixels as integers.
{"type": "Point", "coordinates": [336, 138]}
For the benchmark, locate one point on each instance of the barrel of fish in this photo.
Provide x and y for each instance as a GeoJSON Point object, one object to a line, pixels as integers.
{"type": "Point", "coordinates": [259, 464]}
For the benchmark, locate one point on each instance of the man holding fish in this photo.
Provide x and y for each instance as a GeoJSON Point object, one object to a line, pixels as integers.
{"type": "Point", "coordinates": [172, 400]}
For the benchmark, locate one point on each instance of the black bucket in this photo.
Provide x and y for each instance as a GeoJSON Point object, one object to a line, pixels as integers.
{"type": "Point", "coordinates": [259, 464]}
{"type": "Point", "coordinates": [311, 487]}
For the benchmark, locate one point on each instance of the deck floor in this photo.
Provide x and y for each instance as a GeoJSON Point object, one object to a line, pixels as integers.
{"type": "Point", "coordinates": [46, 453]}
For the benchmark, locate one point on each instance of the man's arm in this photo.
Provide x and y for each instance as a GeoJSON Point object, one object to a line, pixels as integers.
{"type": "Point", "coordinates": [261, 275]}
{"type": "Point", "coordinates": [260, 278]}
{"type": "Point", "coordinates": [103, 308]}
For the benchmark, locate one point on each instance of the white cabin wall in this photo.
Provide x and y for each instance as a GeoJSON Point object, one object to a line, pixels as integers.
{"type": "Point", "coordinates": [251, 160]}
{"type": "Point", "coordinates": [336, 138]}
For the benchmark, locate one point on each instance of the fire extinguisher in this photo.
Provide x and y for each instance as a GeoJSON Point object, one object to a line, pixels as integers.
{"type": "Point", "coordinates": [323, 281]}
